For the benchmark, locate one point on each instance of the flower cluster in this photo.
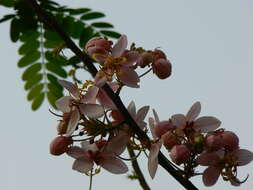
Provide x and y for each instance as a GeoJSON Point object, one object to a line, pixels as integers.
{"type": "Point", "coordinates": [194, 141]}
{"type": "Point", "coordinates": [95, 133]}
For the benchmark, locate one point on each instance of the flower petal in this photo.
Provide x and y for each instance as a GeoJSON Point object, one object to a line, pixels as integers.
{"type": "Point", "coordinates": [151, 122]}
{"type": "Point", "coordinates": [179, 120]}
{"type": "Point", "coordinates": [63, 103]}
{"type": "Point", "coordinates": [74, 118]}
{"type": "Point", "coordinates": [82, 165]}
{"type": "Point", "coordinates": [92, 110]}
{"type": "Point", "coordinates": [206, 124]}
{"type": "Point", "coordinates": [244, 156]}
{"type": "Point", "coordinates": [132, 109]}
{"type": "Point", "coordinates": [208, 159]}
{"type": "Point", "coordinates": [70, 87]}
{"type": "Point", "coordinates": [105, 100]}
{"type": "Point", "coordinates": [132, 57]}
{"type": "Point", "coordinates": [193, 112]}
{"type": "Point", "coordinates": [87, 146]}
{"type": "Point", "coordinates": [118, 143]}
{"type": "Point", "coordinates": [153, 158]}
{"type": "Point", "coordinates": [211, 175]}
{"type": "Point", "coordinates": [141, 113]}
{"type": "Point", "coordinates": [77, 152]}
{"type": "Point", "coordinates": [120, 46]}
{"type": "Point", "coordinates": [129, 77]}
{"type": "Point", "coordinates": [157, 120]}
{"type": "Point", "coordinates": [113, 164]}
{"type": "Point", "coordinates": [90, 96]}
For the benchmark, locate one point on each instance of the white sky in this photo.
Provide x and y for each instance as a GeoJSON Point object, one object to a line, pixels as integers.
{"type": "Point", "coordinates": [210, 45]}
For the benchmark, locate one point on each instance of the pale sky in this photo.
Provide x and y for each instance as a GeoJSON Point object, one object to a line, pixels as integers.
{"type": "Point", "coordinates": [210, 45]}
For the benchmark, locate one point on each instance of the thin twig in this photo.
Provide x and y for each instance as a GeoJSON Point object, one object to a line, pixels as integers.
{"type": "Point", "coordinates": [137, 170]}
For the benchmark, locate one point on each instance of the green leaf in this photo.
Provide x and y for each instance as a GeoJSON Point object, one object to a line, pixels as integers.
{"type": "Point", "coordinates": [87, 34]}
{"type": "Point", "coordinates": [92, 15]}
{"type": "Point", "coordinates": [35, 91]}
{"type": "Point", "coordinates": [55, 59]}
{"type": "Point", "coordinates": [56, 69]}
{"type": "Point", "coordinates": [7, 3]}
{"type": "Point", "coordinates": [74, 60]}
{"type": "Point", "coordinates": [52, 36]}
{"type": "Point", "coordinates": [32, 81]}
{"type": "Point", "coordinates": [51, 44]}
{"type": "Point", "coordinates": [78, 11]}
{"type": "Point", "coordinates": [29, 35]}
{"type": "Point", "coordinates": [102, 25]}
{"type": "Point", "coordinates": [15, 30]}
{"type": "Point", "coordinates": [54, 80]}
{"type": "Point", "coordinates": [31, 71]}
{"type": "Point", "coordinates": [110, 33]}
{"type": "Point", "coordinates": [68, 24]}
{"type": "Point", "coordinates": [58, 92]}
{"type": "Point", "coordinates": [28, 47]}
{"type": "Point", "coordinates": [7, 17]}
{"type": "Point", "coordinates": [78, 28]}
{"type": "Point", "coordinates": [52, 99]}
{"type": "Point", "coordinates": [29, 59]}
{"type": "Point", "coordinates": [37, 102]}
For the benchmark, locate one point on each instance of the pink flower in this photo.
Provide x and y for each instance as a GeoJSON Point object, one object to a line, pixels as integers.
{"type": "Point", "coordinates": [70, 105]}
{"type": "Point", "coordinates": [103, 153]}
{"type": "Point", "coordinates": [225, 164]}
{"type": "Point", "coordinates": [189, 122]}
{"type": "Point", "coordinates": [119, 62]}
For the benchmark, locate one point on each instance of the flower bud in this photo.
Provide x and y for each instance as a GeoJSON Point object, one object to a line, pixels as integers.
{"type": "Point", "coordinates": [180, 154]}
{"type": "Point", "coordinates": [162, 127]}
{"type": "Point", "coordinates": [214, 142]}
{"type": "Point", "coordinates": [98, 45]}
{"type": "Point", "coordinates": [169, 140]}
{"type": "Point", "coordinates": [162, 68]}
{"type": "Point", "coordinates": [60, 145]}
{"type": "Point", "coordinates": [158, 54]}
{"type": "Point", "coordinates": [230, 140]}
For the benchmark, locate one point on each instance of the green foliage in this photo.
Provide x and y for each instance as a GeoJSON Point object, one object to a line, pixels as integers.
{"type": "Point", "coordinates": [41, 49]}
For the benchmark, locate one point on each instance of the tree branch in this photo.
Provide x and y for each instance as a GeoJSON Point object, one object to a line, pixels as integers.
{"type": "Point", "coordinates": [50, 21]}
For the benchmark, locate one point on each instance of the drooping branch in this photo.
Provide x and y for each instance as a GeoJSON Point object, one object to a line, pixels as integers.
{"type": "Point", "coordinates": [50, 21]}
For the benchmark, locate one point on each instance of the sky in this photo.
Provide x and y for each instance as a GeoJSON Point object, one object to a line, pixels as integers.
{"type": "Point", "coordinates": [210, 46]}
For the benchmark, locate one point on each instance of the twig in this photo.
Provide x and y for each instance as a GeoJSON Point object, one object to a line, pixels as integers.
{"type": "Point", "coordinates": [137, 170]}
{"type": "Point", "coordinates": [50, 21]}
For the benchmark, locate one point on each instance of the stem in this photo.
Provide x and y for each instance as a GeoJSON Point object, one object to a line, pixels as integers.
{"type": "Point", "coordinates": [50, 21]}
{"type": "Point", "coordinates": [137, 170]}
{"type": "Point", "coordinates": [91, 174]}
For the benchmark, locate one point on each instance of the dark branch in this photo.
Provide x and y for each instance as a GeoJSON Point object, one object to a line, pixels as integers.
{"type": "Point", "coordinates": [45, 18]}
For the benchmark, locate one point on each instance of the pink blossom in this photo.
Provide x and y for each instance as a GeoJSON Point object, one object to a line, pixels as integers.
{"type": "Point", "coordinates": [223, 163]}
{"type": "Point", "coordinates": [103, 153]}
{"type": "Point", "coordinates": [70, 105]}
{"type": "Point", "coordinates": [119, 62]}
{"type": "Point", "coordinates": [190, 122]}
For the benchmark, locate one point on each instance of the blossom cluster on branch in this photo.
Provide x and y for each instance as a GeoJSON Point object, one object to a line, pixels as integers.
{"type": "Point", "coordinates": [94, 132]}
